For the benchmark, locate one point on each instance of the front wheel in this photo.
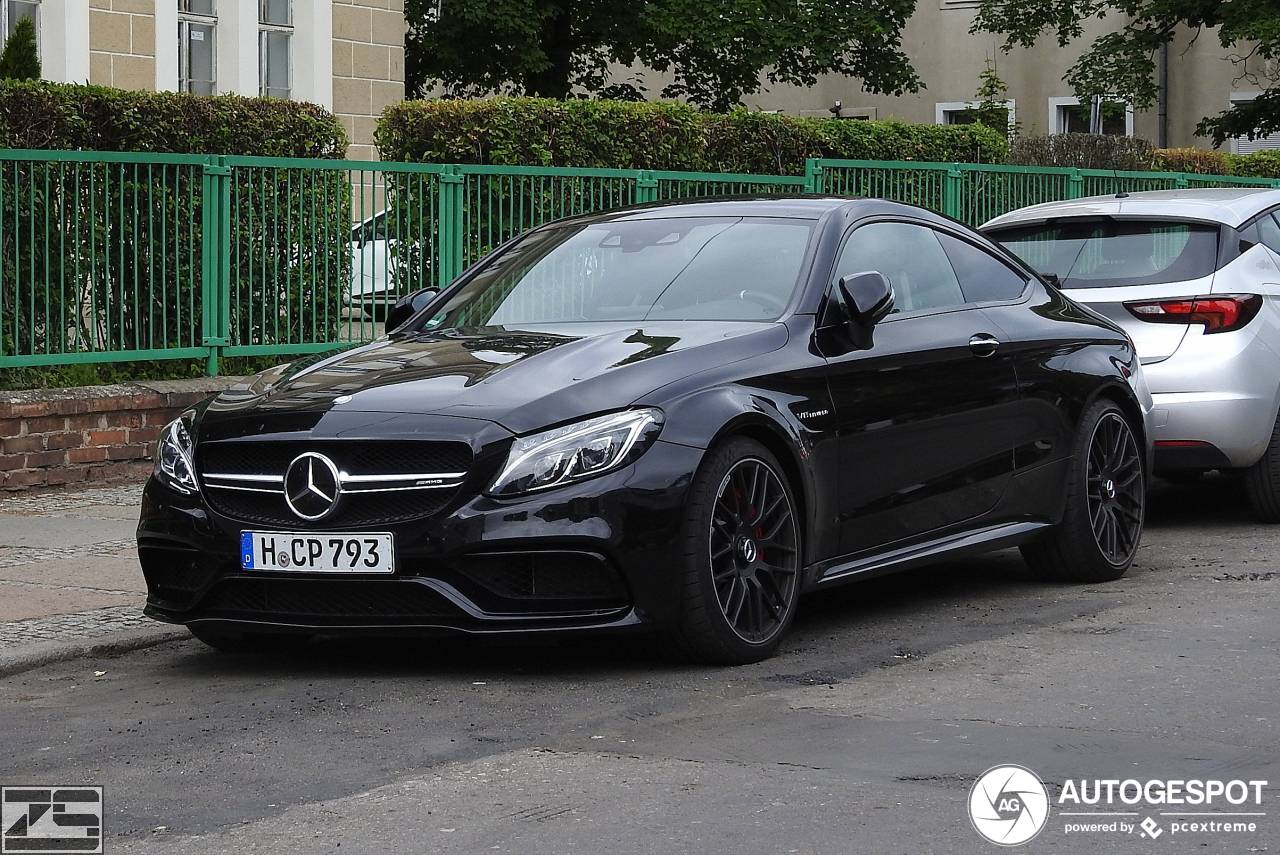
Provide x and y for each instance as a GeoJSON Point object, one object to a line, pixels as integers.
{"type": "Point", "coordinates": [1105, 504]}
{"type": "Point", "coordinates": [740, 558]}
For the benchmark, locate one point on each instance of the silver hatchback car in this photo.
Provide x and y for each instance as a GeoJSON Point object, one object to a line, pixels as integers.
{"type": "Point", "coordinates": [1194, 277]}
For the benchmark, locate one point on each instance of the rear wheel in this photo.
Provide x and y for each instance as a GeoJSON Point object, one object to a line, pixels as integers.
{"type": "Point", "coordinates": [1262, 481]}
{"type": "Point", "coordinates": [740, 558]}
{"type": "Point", "coordinates": [1105, 505]}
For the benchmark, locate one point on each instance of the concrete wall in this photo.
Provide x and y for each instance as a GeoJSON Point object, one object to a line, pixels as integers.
{"type": "Point", "coordinates": [368, 67]}
{"type": "Point", "coordinates": [122, 43]}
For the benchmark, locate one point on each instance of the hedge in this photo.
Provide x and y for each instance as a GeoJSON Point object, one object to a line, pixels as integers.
{"type": "Point", "coordinates": [1261, 164]}
{"type": "Point", "coordinates": [1083, 151]}
{"type": "Point", "coordinates": [658, 135]}
{"type": "Point", "coordinates": [108, 237]}
{"type": "Point", "coordinates": [37, 114]}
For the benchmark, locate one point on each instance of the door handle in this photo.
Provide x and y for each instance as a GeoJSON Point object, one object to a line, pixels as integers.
{"type": "Point", "coordinates": [984, 344]}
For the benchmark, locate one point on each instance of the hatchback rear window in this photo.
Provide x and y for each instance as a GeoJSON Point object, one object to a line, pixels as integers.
{"type": "Point", "coordinates": [1115, 253]}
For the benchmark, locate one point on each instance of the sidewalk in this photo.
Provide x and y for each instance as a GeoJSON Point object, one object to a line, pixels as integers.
{"type": "Point", "coordinates": [69, 578]}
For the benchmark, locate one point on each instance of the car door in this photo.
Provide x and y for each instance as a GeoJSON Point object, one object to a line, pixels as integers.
{"type": "Point", "coordinates": [922, 444]}
{"type": "Point", "coordinates": [373, 265]}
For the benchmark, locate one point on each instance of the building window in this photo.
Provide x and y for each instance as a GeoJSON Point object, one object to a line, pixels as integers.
{"type": "Point", "coordinates": [1068, 116]}
{"type": "Point", "coordinates": [1243, 145]}
{"type": "Point", "coordinates": [13, 11]}
{"type": "Point", "coordinates": [275, 35]}
{"type": "Point", "coordinates": [966, 113]}
{"type": "Point", "coordinates": [197, 65]}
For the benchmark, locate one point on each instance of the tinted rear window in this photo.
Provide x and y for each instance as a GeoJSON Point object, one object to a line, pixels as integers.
{"type": "Point", "coordinates": [1111, 253]}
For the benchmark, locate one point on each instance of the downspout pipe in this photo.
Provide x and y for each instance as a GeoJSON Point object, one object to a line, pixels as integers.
{"type": "Point", "coordinates": [1162, 98]}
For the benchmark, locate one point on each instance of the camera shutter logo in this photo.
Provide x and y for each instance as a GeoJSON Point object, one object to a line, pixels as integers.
{"type": "Point", "coordinates": [51, 819]}
{"type": "Point", "coordinates": [1008, 805]}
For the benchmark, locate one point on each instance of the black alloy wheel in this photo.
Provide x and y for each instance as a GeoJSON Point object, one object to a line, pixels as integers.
{"type": "Point", "coordinates": [753, 550]}
{"type": "Point", "coordinates": [1116, 492]}
{"type": "Point", "coordinates": [741, 555]}
{"type": "Point", "coordinates": [1104, 504]}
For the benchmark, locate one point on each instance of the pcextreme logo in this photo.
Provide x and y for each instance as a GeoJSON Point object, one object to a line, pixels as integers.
{"type": "Point", "coordinates": [1009, 805]}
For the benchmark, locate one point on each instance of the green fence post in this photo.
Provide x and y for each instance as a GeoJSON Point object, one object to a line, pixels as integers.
{"type": "Point", "coordinates": [812, 176]}
{"type": "Point", "coordinates": [215, 260]}
{"type": "Point", "coordinates": [951, 205]}
{"type": "Point", "coordinates": [646, 187]}
{"type": "Point", "coordinates": [1075, 185]}
{"type": "Point", "coordinates": [1181, 181]}
{"type": "Point", "coordinates": [450, 236]}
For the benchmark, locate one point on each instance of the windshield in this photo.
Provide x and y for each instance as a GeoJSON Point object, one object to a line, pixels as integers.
{"type": "Point", "coordinates": [1114, 253]}
{"type": "Point", "coordinates": [693, 268]}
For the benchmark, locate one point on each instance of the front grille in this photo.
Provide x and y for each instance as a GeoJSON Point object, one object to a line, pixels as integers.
{"type": "Point", "coordinates": [362, 503]}
{"type": "Point", "coordinates": [355, 509]}
{"type": "Point", "coordinates": [370, 601]}
{"type": "Point", "coordinates": [373, 457]}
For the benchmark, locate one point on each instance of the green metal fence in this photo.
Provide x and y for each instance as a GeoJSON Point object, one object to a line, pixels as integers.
{"type": "Point", "coordinates": [974, 193]}
{"type": "Point", "coordinates": [115, 256]}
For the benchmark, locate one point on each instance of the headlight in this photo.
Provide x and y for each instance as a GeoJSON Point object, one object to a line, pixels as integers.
{"type": "Point", "coordinates": [173, 456]}
{"type": "Point", "coordinates": [577, 451]}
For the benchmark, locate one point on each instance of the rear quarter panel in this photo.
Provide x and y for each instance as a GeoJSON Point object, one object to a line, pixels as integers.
{"type": "Point", "coordinates": [1066, 357]}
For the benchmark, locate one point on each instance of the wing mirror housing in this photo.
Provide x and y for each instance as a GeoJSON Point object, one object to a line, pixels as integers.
{"type": "Point", "coordinates": [867, 296]}
{"type": "Point", "coordinates": [408, 306]}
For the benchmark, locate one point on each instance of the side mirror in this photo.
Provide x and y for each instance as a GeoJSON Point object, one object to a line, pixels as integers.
{"type": "Point", "coordinates": [868, 297]}
{"type": "Point", "coordinates": [408, 306]}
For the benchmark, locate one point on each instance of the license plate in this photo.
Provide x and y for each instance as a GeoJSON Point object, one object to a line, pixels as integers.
{"type": "Point", "coordinates": [316, 552]}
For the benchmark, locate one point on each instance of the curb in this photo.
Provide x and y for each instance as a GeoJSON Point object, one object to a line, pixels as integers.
{"type": "Point", "coordinates": [29, 656]}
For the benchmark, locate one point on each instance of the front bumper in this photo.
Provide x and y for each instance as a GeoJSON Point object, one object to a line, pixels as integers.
{"type": "Point", "coordinates": [597, 555]}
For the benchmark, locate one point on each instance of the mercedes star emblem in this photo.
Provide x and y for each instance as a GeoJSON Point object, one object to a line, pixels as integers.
{"type": "Point", "coordinates": [312, 486]}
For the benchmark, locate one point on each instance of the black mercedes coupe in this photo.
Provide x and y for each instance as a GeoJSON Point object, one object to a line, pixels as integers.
{"type": "Point", "coordinates": [676, 418]}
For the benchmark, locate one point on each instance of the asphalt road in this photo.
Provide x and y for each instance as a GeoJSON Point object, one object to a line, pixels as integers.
{"type": "Point", "coordinates": [864, 735]}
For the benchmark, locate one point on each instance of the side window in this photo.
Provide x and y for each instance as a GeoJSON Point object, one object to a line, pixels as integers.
{"type": "Point", "coordinates": [1269, 232]}
{"type": "Point", "coordinates": [912, 259]}
{"type": "Point", "coordinates": [983, 277]}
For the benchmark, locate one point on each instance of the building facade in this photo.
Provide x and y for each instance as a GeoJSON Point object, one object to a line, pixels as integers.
{"type": "Point", "coordinates": [346, 55]}
{"type": "Point", "coordinates": [1201, 82]}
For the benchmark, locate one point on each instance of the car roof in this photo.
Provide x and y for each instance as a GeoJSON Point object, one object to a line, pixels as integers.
{"type": "Point", "coordinates": [786, 206]}
{"type": "Point", "coordinates": [1231, 206]}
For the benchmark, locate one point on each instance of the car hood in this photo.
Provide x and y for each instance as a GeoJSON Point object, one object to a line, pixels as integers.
{"type": "Point", "coordinates": [522, 379]}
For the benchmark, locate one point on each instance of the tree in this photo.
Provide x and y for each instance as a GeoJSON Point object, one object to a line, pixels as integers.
{"type": "Point", "coordinates": [993, 107]}
{"type": "Point", "coordinates": [1123, 62]}
{"type": "Point", "coordinates": [716, 50]}
{"type": "Point", "coordinates": [20, 59]}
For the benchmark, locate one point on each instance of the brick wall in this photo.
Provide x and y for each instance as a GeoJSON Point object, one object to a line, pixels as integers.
{"type": "Point", "coordinates": [65, 436]}
{"type": "Point", "coordinates": [122, 43]}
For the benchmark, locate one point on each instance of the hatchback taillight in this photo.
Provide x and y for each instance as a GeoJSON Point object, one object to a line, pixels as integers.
{"type": "Point", "coordinates": [1216, 312]}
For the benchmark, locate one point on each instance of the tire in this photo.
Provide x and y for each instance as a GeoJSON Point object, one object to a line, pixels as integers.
{"type": "Point", "coordinates": [735, 607]}
{"type": "Point", "coordinates": [1105, 504]}
{"type": "Point", "coordinates": [1262, 481]}
{"type": "Point", "coordinates": [236, 642]}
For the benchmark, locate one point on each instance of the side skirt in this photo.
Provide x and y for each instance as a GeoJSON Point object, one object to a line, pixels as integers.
{"type": "Point", "coordinates": [952, 546]}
